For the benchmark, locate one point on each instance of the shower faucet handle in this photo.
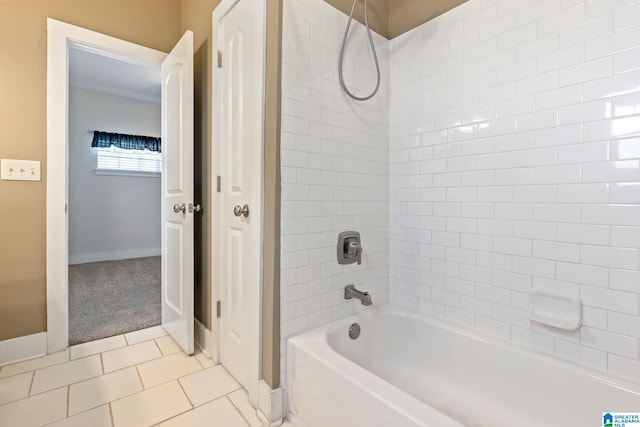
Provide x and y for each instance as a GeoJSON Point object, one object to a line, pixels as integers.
{"type": "Point", "coordinates": [349, 248]}
{"type": "Point", "coordinates": [354, 248]}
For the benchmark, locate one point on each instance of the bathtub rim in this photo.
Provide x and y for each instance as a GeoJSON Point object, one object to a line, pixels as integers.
{"type": "Point", "coordinates": [315, 343]}
{"type": "Point", "coordinates": [310, 340]}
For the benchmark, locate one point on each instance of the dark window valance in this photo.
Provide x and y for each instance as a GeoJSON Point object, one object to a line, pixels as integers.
{"type": "Point", "coordinates": [126, 142]}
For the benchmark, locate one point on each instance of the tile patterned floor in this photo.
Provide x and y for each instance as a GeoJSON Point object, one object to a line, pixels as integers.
{"type": "Point", "coordinates": [133, 380]}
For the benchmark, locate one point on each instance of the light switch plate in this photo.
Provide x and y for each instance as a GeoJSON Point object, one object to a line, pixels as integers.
{"type": "Point", "coordinates": [20, 170]}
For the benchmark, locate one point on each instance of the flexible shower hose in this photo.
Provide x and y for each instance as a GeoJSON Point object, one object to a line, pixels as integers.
{"type": "Point", "coordinates": [373, 49]}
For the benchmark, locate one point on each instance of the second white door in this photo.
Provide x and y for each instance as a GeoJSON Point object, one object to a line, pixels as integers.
{"type": "Point", "coordinates": [238, 119]}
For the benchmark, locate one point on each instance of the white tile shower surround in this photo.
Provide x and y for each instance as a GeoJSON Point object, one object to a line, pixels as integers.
{"type": "Point", "coordinates": [137, 379]}
{"type": "Point", "coordinates": [512, 162]}
{"type": "Point", "coordinates": [334, 167]}
{"type": "Point", "coordinates": [515, 165]}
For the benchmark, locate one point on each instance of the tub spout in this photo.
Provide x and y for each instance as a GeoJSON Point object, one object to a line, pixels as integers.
{"type": "Point", "coordinates": [350, 291]}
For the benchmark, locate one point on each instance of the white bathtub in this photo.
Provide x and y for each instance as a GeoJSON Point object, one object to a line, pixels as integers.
{"type": "Point", "coordinates": [410, 370]}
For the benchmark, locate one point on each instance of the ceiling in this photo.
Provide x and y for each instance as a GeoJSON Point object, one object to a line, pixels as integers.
{"type": "Point", "coordinates": [405, 15]}
{"type": "Point", "coordinates": [391, 18]}
{"type": "Point", "coordinates": [99, 73]}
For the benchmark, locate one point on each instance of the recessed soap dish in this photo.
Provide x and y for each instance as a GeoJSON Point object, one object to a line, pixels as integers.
{"type": "Point", "coordinates": [555, 309]}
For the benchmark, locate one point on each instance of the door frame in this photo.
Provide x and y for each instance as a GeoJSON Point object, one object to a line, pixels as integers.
{"type": "Point", "coordinates": [60, 38]}
{"type": "Point", "coordinates": [253, 310]}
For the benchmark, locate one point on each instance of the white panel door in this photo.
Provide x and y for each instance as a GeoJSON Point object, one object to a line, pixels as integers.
{"type": "Point", "coordinates": [177, 193]}
{"type": "Point", "coordinates": [238, 119]}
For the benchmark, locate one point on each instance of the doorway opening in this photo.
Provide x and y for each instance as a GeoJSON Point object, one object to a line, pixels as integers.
{"type": "Point", "coordinates": [114, 207]}
{"type": "Point", "coordinates": [177, 207]}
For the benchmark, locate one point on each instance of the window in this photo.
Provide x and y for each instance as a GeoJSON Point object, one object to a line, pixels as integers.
{"type": "Point", "coordinates": [120, 154]}
{"type": "Point", "coordinates": [114, 159]}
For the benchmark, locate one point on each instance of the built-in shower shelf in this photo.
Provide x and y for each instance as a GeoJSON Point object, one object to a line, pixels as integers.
{"type": "Point", "coordinates": [555, 309]}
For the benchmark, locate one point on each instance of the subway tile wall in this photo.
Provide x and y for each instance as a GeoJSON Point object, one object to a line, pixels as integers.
{"type": "Point", "coordinates": [515, 165]}
{"type": "Point", "coordinates": [335, 167]}
{"type": "Point", "coordinates": [502, 155]}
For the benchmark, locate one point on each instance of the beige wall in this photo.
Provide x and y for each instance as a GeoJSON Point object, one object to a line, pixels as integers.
{"type": "Point", "coordinates": [196, 16]}
{"type": "Point", "coordinates": [271, 260]}
{"type": "Point", "coordinates": [391, 18]}
{"type": "Point", "coordinates": [23, 73]}
{"type": "Point", "coordinates": [154, 23]}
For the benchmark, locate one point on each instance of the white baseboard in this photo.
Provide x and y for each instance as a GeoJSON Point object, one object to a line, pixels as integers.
{"type": "Point", "coordinates": [270, 405]}
{"type": "Point", "coordinates": [112, 255]}
{"type": "Point", "coordinates": [25, 347]}
{"type": "Point", "coordinates": [203, 338]}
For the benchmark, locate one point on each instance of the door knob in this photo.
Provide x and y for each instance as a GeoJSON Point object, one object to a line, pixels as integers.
{"type": "Point", "coordinates": [241, 211]}
{"type": "Point", "coordinates": [180, 208]}
{"type": "Point", "coordinates": [195, 208]}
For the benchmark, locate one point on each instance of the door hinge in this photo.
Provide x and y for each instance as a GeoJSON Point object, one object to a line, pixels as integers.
{"type": "Point", "coordinates": [219, 59]}
{"type": "Point", "coordinates": [218, 183]}
{"type": "Point", "coordinates": [218, 309]}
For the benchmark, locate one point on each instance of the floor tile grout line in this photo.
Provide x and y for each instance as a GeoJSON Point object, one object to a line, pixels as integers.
{"type": "Point", "coordinates": [69, 415]}
{"type": "Point", "coordinates": [135, 364]}
{"type": "Point", "coordinates": [145, 340]}
{"type": "Point", "coordinates": [62, 385]}
{"type": "Point", "coordinates": [193, 408]}
{"type": "Point", "coordinates": [87, 356]}
{"type": "Point", "coordinates": [113, 421]}
{"type": "Point", "coordinates": [98, 352]}
{"type": "Point", "coordinates": [208, 401]}
{"type": "Point", "coordinates": [109, 402]}
{"type": "Point", "coordinates": [158, 347]}
{"type": "Point", "coordinates": [36, 369]}
{"type": "Point", "coordinates": [171, 379]}
{"type": "Point", "coordinates": [26, 360]}
{"type": "Point", "coordinates": [193, 405]}
{"type": "Point", "coordinates": [33, 375]}
{"type": "Point", "coordinates": [68, 398]}
{"type": "Point", "coordinates": [133, 394]}
{"type": "Point", "coordinates": [237, 409]}
{"type": "Point", "coordinates": [173, 416]}
{"type": "Point", "coordinates": [200, 365]}
{"type": "Point", "coordinates": [140, 377]}
{"type": "Point", "coordinates": [70, 384]}
{"type": "Point", "coordinates": [104, 374]}
{"type": "Point", "coordinates": [68, 351]}
{"type": "Point", "coordinates": [161, 421]}
{"type": "Point", "coordinates": [20, 398]}
{"type": "Point", "coordinates": [128, 367]}
{"type": "Point", "coordinates": [30, 396]}
{"type": "Point", "coordinates": [144, 388]}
